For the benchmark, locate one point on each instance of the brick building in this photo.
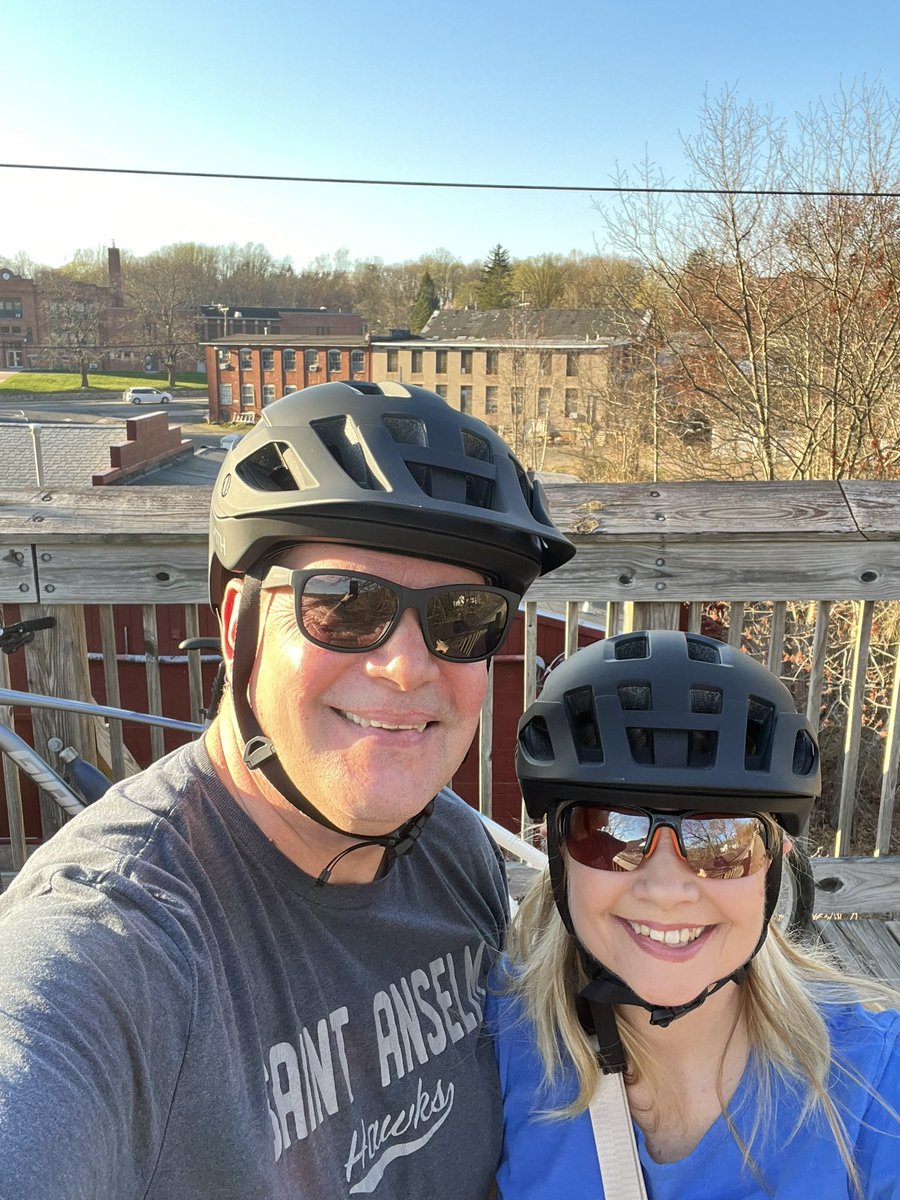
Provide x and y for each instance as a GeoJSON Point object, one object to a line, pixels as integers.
{"type": "Point", "coordinates": [248, 371]}
{"type": "Point", "coordinates": [20, 322]}
{"type": "Point", "coordinates": [513, 367]}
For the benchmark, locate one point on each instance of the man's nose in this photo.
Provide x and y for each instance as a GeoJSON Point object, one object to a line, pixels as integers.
{"type": "Point", "coordinates": [404, 657]}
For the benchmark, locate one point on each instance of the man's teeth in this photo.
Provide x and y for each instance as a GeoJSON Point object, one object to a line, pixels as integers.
{"type": "Point", "coordinates": [367, 724]}
{"type": "Point", "coordinates": [671, 937]}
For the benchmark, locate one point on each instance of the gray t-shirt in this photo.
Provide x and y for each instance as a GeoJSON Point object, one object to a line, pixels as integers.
{"type": "Point", "coordinates": [183, 1014]}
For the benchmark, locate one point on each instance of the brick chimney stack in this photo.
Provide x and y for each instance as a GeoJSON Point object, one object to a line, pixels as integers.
{"type": "Point", "coordinates": [114, 266]}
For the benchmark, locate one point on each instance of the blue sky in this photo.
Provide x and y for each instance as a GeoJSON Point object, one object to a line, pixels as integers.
{"type": "Point", "coordinates": [475, 90]}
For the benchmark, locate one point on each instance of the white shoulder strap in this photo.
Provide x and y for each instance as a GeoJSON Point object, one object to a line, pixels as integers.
{"type": "Point", "coordinates": [620, 1166]}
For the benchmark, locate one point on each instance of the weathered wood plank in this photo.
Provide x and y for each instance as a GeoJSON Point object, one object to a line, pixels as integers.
{"type": "Point", "coordinates": [637, 542]}
{"type": "Point", "coordinates": [890, 764]}
{"type": "Point", "coordinates": [857, 885]}
{"type": "Point", "coordinates": [849, 510]}
{"type": "Point", "coordinates": [853, 736]}
{"type": "Point", "coordinates": [57, 665]}
{"type": "Point", "coordinates": [700, 509]}
{"type": "Point", "coordinates": [11, 782]}
{"type": "Point", "coordinates": [136, 573]}
{"type": "Point", "coordinates": [731, 569]}
{"type": "Point", "coordinates": [874, 506]}
{"type": "Point", "coordinates": [113, 696]}
{"type": "Point", "coordinates": [863, 947]}
{"type": "Point", "coordinates": [154, 683]}
{"type": "Point", "coordinates": [18, 584]}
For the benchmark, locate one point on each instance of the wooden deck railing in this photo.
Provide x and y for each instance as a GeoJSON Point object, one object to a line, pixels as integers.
{"type": "Point", "coordinates": [807, 575]}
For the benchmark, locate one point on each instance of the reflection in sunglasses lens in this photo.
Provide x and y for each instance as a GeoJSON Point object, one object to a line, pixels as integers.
{"type": "Point", "coordinates": [354, 612]}
{"type": "Point", "coordinates": [716, 845]}
{"type": "Point", "coordinates": [347, 611]}
{"type": "Point", "coordinates": [466, 623]}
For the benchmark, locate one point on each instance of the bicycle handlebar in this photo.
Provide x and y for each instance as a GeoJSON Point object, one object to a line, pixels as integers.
{"type": "Point", "coordinates": [13, 637]}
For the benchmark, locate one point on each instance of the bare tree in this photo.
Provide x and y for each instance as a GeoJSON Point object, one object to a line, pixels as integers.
{"type": "Point", "coordinates": [778, 315]}
{"type": "Point", "coordinates": [542, 281]}
{"type": "Point", "coordinates": [165, 290]}
{"type": "Point", "coordinates": [72, 318]}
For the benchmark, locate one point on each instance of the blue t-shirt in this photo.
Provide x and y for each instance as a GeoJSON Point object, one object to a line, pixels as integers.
{"type": "Point", "coordinates": [557, 1158]}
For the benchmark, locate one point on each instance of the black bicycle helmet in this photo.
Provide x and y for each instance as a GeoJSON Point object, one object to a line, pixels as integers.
{"type": "Point", "coordinates": [669, 715]}
{"type": "Point", "coordinates": [669, 721]}
{"type": "Point", "coordinates": [384, 465]}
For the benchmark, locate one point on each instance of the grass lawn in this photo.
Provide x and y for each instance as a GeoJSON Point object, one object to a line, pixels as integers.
{"type": "Point", "coordinates": [39, 382]}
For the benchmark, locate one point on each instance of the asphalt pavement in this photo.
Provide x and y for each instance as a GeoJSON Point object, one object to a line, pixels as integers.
{"type": "Point", "coordinates": [189, 412]}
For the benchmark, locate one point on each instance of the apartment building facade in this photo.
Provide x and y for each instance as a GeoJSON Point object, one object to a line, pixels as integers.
{"type": "Point", "coordinates": [246, 372]}
{"type": "Point", "coordinates": [20, 321]}
{"type": "Point", "coordinates": [531, 372]}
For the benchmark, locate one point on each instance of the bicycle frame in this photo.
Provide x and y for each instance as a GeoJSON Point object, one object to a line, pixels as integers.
{"type": "Point", "coordinates": [31, 764]}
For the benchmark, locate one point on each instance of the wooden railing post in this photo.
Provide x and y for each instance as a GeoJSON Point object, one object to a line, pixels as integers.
{"type": "Point", "coordinates": [57, 665]}
{"type": "Point", "coordinates": [656, 615]}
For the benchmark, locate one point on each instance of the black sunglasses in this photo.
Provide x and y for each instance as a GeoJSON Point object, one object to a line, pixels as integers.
{"type": "Point", "coordinates": [352, 612]}
{"type": "Point", "coordinates": [714, 845]}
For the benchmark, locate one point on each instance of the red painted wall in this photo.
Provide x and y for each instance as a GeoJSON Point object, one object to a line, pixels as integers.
{"type": "Point", "coordinates": [508, 696]}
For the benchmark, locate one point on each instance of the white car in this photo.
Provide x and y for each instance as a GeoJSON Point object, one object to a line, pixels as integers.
{"type": "Point", "coordinates": [229, 441]}
{"type": "Point", "coordinates": [137, 395]}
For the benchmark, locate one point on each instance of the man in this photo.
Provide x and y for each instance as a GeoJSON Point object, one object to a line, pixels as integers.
{"type": "Point", "coordinates": [257, 969]}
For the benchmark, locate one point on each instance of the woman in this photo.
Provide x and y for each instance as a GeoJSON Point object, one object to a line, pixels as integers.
{"type": "Point", "coordinates": [673, 773]}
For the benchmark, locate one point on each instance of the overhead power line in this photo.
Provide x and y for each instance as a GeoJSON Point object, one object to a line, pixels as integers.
{"type": "Point", "coordinates": [620, 189]}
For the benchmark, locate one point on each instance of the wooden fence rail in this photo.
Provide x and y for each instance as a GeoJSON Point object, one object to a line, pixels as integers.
{"type": "Point", "coordinates": [804, 575]}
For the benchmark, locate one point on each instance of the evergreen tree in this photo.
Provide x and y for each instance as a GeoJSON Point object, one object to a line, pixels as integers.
{"type": "Point", "coordinates": [427, 302]}
{"type": "Point", "coordinates": [496, 287]}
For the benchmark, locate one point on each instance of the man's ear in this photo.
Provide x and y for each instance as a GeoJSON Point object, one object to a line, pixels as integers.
{"type": "Point", "coordinates": [228, 615]}
{"type": "Point", "coordinates": [786, 844]}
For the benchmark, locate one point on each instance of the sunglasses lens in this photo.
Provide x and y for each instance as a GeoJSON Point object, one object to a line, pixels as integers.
{"type": "Point", "coordinates": [346, 611]}
{"type": "Point", "coordinates": [716, 845]}
{"type": "Point", "coordinates": [606, 839]}
{"type": "Point", "coordinates": [466, 623]}
{"type": "Point", "coordinates": [719, 846]}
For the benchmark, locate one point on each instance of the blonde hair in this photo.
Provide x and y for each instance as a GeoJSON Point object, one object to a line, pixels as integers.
{"type": "Point", "coordinates": [781, 1003]}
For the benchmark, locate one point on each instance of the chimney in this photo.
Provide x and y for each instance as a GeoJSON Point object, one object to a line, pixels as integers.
{"type": "Point", "coordinates": [114, 266]}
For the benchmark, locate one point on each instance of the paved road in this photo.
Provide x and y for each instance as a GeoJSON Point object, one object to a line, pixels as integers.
{"type": "Point", "coordinates": [183, 410]}
{"type": "Point", "coordinates": [190, 412]}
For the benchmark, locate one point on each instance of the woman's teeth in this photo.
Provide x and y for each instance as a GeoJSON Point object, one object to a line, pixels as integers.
{"type": "Point", "coordinates": [670, 937]}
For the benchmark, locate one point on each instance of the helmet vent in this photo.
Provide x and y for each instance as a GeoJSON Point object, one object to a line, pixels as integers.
{"type": "Point", "coordinates": [479, 492]}
{"type": "Point", "coordinates": [267, 471]}
{"type": "Point", "coordinates": [706, 700]}
{"type": "Point", "coordinates": [406, 430]}
{"type": "Point", "coordinates": [583, 723]}
{"type": "Point", "coordinates": [523, 480]}
{"type": "Point", "coordinates": [702, 746]}
{"type": "Point", "coordinates": [635, 647]}
{"type": "Point", "coordinates": [475, 447]}
{"type": "Point", "coordinates": [760, 728]}
{"type": "Point", "coordinates": [641, 743]}
{"type": "Point", "coordinates": [702, 651]}
{"type": "Point", "coordinates": [805, 754]}
{"type": "Point", "coordinates": [535, 740]}
{"type": "Point", "coordinates": [635, 696]}
{"type": "Point", "coordinates": [339, 435]}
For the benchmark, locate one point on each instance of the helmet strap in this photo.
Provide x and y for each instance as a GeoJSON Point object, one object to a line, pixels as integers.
{"type": "Point", "coordinates": [260, 754]}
